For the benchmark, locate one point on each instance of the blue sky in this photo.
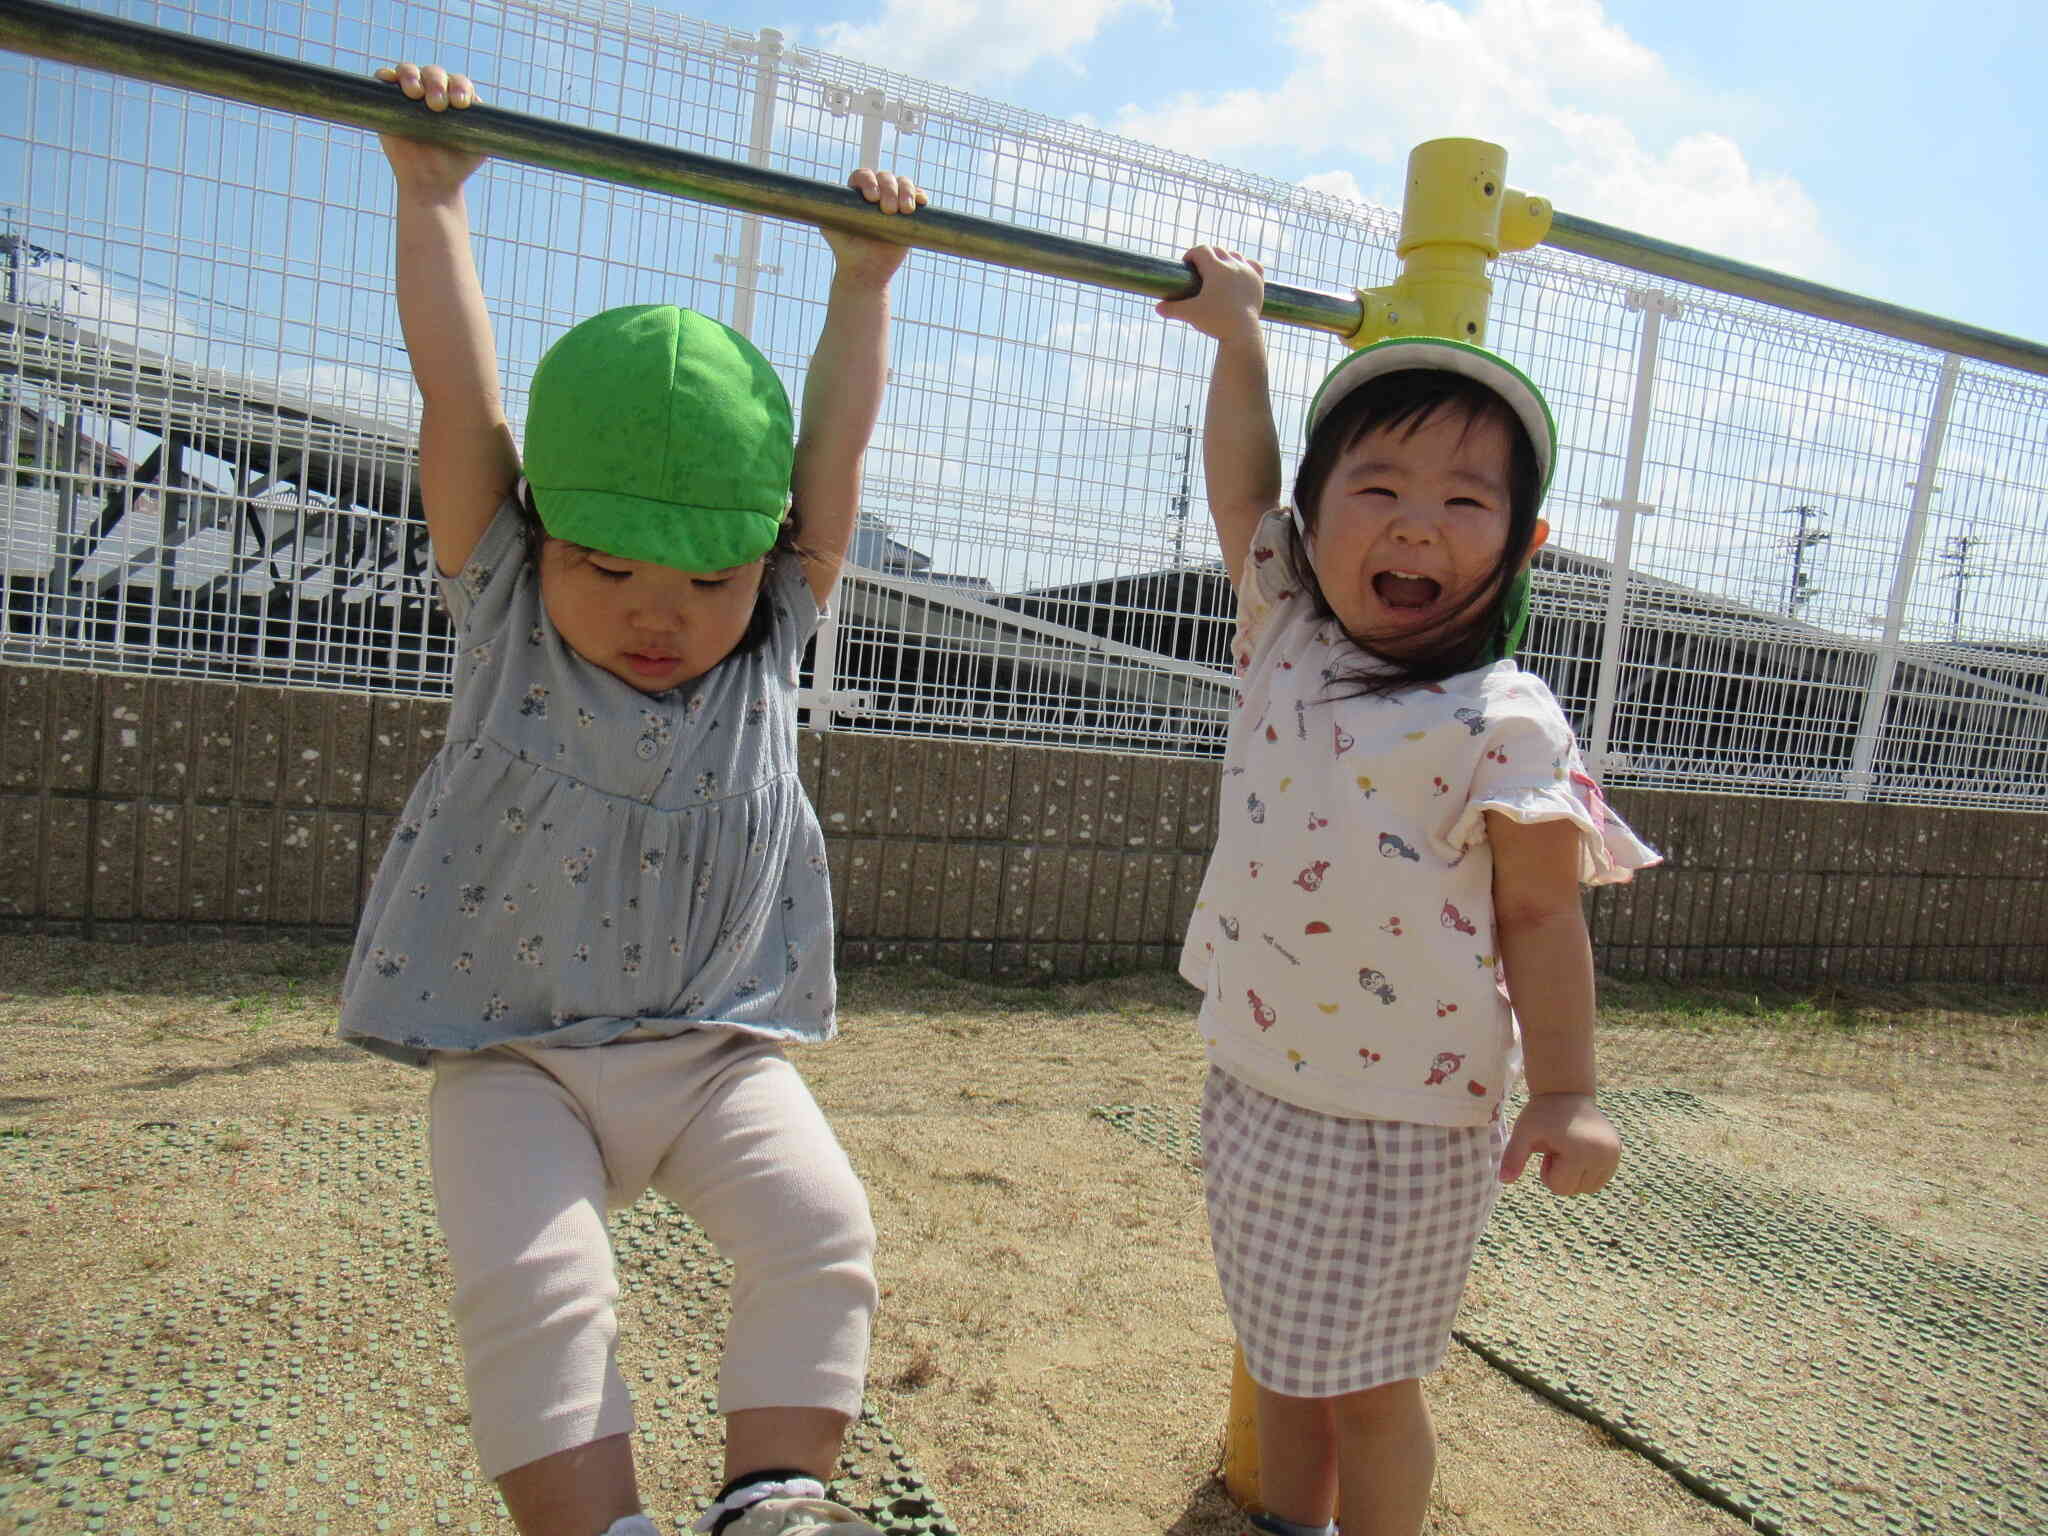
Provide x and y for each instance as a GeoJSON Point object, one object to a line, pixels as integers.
{"type": "Point", "coordinates": [1891, 147]}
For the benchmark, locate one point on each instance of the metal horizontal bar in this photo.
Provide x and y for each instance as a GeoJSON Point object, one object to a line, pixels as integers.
{"type": "Point", "coordinates": [1660, 258]}
{"type": "Point", "coordinates": [179, 59]}
{"type": "Point", "coordinates": [119, 47]}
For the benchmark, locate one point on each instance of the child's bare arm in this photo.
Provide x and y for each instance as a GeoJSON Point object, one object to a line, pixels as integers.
{"type": "Point", "coordinates": [1547, 962]}
{"type": "Point", "coordinates": [1240, 449]}
{"type": "Point", "coordinates": [468, 460]}
{"type": "Point", "coordinates": [843, 390]}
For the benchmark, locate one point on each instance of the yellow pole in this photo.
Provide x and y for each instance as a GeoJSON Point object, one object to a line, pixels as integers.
{"type": "Point", "coordinates": [1458, 214]}
{"type": "Point", "coordinates": [1241, 1438]}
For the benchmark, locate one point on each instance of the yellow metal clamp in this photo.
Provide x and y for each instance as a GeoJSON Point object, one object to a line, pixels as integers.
{"type": "Point", "coordinates": [1457, 215]}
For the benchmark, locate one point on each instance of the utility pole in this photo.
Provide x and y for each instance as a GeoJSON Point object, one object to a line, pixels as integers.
{"type": "Point", "coordinates": [1800, 588]}
{"type": "Point", "coordinates": [1181, 502]}
{"type": "Point", "coordinates": [1957, 553]}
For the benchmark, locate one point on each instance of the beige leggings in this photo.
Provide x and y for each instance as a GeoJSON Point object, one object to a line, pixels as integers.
{"type": "Point", "coordinates": [532, 1146]}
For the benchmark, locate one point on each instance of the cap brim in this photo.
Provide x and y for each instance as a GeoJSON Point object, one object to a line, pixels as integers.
{"type": "Point", "coordinates": [1441, 354]}
{"type": "Point", "coordinates": [658, 532]}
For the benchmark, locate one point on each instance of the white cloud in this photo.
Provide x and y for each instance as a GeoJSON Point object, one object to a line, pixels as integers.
{"type": "Point", "coordinates": [82, 294]}
{"type": "Point", "coordinates": [387, 396]}
{"type": "Point", "coordinates": [1335, 184]}
{"type": "Point", "coordinates": [969, 43]}
{"type": "Point", "coordinates": [1592, 119]}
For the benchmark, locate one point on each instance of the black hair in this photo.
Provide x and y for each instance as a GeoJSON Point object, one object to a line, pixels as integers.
{"type": "Point", "coordinates": [1471, 633]}
{"type": "Point", "coordinates": [760, 623]}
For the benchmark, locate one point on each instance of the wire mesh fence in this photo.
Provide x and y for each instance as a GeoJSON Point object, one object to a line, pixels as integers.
{"type": "Point", "coordinates": [210, 419]}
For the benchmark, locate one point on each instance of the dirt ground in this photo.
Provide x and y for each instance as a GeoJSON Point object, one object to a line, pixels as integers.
{"type": "Point", "coordinates": [1051, 1348]}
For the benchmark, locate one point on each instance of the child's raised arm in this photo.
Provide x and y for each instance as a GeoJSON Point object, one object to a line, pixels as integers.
{"type": "Point", "coordinates": [843, 390]}
{"type": "Point", "coordinates": [468, 460]}
{"type": "Point", "coordinates": [1240, 450]}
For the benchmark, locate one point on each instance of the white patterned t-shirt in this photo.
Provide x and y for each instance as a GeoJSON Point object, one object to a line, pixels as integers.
{"type": "Point", "coordinates": [1344, 931]}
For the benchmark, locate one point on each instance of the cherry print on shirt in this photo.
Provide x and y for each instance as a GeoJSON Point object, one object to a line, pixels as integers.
{"type": "Point", "coordinates": [1392, 925]}
{"type": "Point", "coordinates": [1443, 1008]}
{"type": "Point", "coordinates": [1445, 1064]}
{"type": "Point", "coordinates": [1311, 878]}
{"type": "Point", "coordinates": [1451, 917]}
{"type": "Point", "coordinates": [1317, 821]}
{"type": "Point", "coordinates": [1262, 1011]}
{"type": "Point", "coordinates": [1391, 847]}
{"type": "Point", "coordinates": [1439, 787]}
{"type": "Point", "coordinates": [1495, 755]}
{"type": "Point", "coordinates": [1367, 1057]}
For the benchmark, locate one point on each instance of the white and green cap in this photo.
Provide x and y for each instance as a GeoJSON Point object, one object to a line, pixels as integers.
{"type": "Point", "coordinates": [1398, 354]}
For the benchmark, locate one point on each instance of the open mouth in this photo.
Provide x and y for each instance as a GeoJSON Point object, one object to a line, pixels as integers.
{"type": "Point", "coordinates": [1404, 589]}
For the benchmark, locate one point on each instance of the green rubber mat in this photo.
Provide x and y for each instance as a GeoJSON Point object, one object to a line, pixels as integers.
{"type": "Point", "coordinates": [1809, 1369]}
{"type": "Point", "coordinates": [295, 1393]}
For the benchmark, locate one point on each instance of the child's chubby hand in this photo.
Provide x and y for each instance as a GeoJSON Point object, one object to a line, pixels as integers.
{"type": "Point", "coordinates": [1233, 292]}
{"type": "Point", "coordinates": [423, 168]}
{"type": "Point", "coordinates": [1578, 1145]}
{"type": "Point", "coordinates": [861, 258]}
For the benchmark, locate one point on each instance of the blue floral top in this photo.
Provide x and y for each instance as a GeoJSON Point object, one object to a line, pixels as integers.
{"type": "Point", "coordinates": [581, 858]}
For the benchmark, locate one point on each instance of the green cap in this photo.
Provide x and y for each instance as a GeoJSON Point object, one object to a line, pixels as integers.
{"type": "Point", "coordinates": [1400, 353]}
{"type": "Point", "coordinates": [655, 433]}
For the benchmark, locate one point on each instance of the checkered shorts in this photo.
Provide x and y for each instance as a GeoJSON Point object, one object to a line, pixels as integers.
{"type": "Point", "coordinates": [1342, 1245]}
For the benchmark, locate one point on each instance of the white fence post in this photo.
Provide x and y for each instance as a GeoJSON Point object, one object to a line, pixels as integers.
{"type": "Point", "coordinates": [767, 53]}
{"type": "Point", "coordinates": [1654, 306]}
{"type": "Point", "coordinates": [1885, 664]}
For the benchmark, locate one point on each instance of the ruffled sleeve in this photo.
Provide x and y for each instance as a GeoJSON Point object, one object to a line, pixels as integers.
{"type": "Point", "coordinates": [794, 610]}
{"type": "Point", "coordinates": [477, 595]}
{"type": "Point", "coordinates": [1530, 769]}
{"type": "Point", "coordinates": [1269, 581]}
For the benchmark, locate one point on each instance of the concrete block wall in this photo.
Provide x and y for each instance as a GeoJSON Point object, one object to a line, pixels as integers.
{"type": "Point", "coordinates": [162, 808]}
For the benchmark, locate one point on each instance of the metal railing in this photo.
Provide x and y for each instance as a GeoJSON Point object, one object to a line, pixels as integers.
{"type": "Point", "coordinates": [213, 471]}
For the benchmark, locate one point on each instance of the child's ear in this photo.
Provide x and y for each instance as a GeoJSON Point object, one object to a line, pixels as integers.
{"type": "Point", "coordinates": [1537, 539]}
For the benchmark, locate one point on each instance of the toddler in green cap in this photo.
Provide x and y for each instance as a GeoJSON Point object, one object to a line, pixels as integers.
{"type": "Point", "coordinates": [604, 911]}
{"type": "Point", "coordinates": [1390, 929]}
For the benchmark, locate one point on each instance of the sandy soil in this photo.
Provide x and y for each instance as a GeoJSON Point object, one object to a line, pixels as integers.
{"type": "Point", "coordinates": [1051, 1349]}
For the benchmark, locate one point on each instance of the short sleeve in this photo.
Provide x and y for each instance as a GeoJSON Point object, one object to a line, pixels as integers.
{"type": "Point", "coordinates": [794, 608]}
{"type": "Point", "coordinates": [1530, 769]}
{"type": "Point", "coordinates": [476, 595]}
{"type": "Point", "coordinates": [1269, 579]}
